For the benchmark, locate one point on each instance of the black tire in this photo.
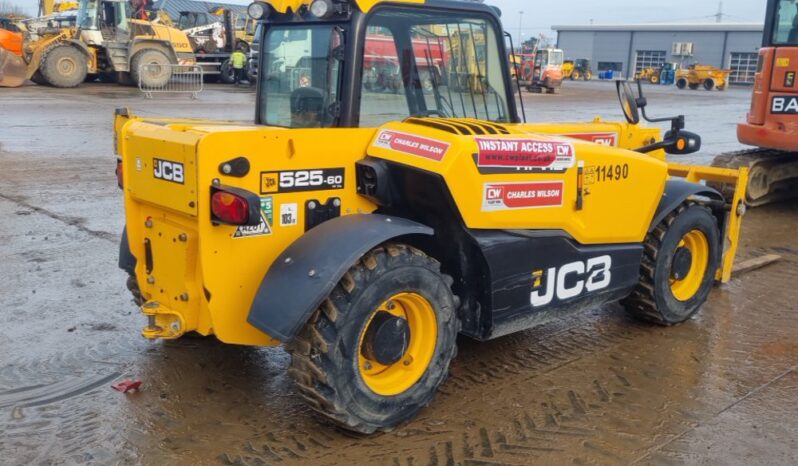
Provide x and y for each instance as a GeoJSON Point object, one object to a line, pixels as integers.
{"type": "Point", "coordinates": [157, 72]}
{"type": "Point", "coordinates": [709, 84]}
{"type": "Point", "coordinates": [124, 78]}
{"type": "Point", "coordinates": [38, 78]}
{"type": "Point", "coordinates": [681, 83]}
{"type": "Point", "coordinates": [654, 300]}
{"type": "Point", "coordinates": [325, 355]}
{"type": "Point", "coordinates": [64, 66]}
{"type": "Point", "coordinates": [133, 287]}
{"type": "Point", "coordinates": [227, 72]}
{"type": "Point", "coordinates": [693, 86]}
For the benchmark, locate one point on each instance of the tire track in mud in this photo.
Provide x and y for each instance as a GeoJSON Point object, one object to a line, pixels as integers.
{"type": "Point", "coordinates": [43, 411]}
{"type": "Point", "coordinates": [530, 434]}
{"type": "Point", "coordinates": [589, 390]}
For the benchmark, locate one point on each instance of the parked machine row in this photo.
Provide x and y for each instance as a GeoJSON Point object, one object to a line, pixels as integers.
{"type": "Point", "coordinates": [105, 39]}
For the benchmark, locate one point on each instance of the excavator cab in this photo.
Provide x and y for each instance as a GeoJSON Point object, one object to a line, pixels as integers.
{"type": "Point", "coordinates": [101, 19]}
{"type": "Point", "coordinates": [771, 125]}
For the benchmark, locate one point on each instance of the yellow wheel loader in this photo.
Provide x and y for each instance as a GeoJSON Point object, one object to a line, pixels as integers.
{"type": "Point", "coordinates": [105, 42]}
{"type": "Point", "coordinates": [365, 230]}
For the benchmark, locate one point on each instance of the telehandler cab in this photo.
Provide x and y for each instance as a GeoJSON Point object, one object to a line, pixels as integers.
{"type": "Point", "coordinates": [365, 230]}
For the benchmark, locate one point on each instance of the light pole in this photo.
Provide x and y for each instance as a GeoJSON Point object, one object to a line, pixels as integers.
{"type": "Point", "coordinates": [520, 34]}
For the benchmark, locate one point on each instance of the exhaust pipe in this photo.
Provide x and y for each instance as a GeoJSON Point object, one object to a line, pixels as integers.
{"type": "Point", "coordinates": [12, 69]}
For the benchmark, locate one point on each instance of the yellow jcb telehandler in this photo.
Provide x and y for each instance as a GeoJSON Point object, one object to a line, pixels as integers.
{"type": "Point", "coordinates": [365, 230]}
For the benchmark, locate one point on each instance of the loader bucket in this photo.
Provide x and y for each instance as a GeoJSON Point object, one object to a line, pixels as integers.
{"type": "Point", "coordinates": [12, 69]}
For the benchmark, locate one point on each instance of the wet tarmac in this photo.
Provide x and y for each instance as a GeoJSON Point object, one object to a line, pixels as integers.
{"type": "Point", "coordinates": [599, 388]}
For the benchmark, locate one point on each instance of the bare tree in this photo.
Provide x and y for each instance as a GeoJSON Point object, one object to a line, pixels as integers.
{"type": "Point", "coordinates": [9, 8]}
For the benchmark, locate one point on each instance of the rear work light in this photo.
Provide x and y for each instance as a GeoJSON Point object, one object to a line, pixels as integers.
{"type": "Point", "coordinates": [234, 206]}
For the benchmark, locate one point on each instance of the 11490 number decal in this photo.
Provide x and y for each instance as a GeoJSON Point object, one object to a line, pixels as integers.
{"type": "Point", "coordinates": [602, 173]}
{"type": "Point", "coordinates": [288, 181]}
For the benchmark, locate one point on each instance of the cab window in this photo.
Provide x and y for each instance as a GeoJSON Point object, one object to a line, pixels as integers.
{"type": "Point", "coordinates": [431, 64]}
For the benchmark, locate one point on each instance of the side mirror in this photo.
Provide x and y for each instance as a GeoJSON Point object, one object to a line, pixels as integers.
{"type": "Point", "coordinates": [682, 142]}
{"type": "Point", "coordinates": [628, 100]}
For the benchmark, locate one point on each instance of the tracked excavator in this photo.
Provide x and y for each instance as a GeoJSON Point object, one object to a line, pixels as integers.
{"type": "Point", "coordinates": [772, 122]}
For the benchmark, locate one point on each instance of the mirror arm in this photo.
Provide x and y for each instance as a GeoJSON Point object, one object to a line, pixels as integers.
{"type": "Point", "coordinates": [652, 147]}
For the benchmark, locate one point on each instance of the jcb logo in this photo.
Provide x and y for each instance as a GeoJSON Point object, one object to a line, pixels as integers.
{"type": "Point", "coordinates": [571, 280]}
{"type": "Point", "coordinates": [168, 171]}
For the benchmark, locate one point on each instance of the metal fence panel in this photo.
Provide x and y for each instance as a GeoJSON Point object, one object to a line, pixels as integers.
{"type": "Point", "coordinates": [174, 79]}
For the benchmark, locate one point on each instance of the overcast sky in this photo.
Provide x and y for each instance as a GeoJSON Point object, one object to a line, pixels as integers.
{"type": "Point", "coordinates": [540, 15]}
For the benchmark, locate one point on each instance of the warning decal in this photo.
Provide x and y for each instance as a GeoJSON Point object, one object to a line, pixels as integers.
{"type": "Point", "coordinates": [523, 155]}
{"type": "Point", "coordinates": [524, 195]}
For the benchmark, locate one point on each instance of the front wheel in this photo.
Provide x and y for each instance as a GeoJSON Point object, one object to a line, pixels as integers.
{"type": "Point", "coordinates": [64, 66]}
{"type": "Point", "coordinates": [680, 258]}
{"type": "Point", "coordinates": [151, 68]}
{"type": "Point", "coordinates": [379, 346]}
{"type": "Point", "coordinates": [681, 83]}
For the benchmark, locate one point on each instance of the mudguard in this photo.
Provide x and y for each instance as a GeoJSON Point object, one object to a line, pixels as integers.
{"type": "Point", "coordinates": [676, 192]}
{"type": "Point", "coordinates": [127, 261]}
{"type": "Point", "coordinates": [307, 271]}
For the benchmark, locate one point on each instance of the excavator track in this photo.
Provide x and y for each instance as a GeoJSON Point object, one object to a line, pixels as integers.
{"type": "Point", "coordinates": [773, 174]}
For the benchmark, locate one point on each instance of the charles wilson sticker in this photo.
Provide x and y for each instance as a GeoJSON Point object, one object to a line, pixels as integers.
{"type": "Point", "coordinates": [411, 144]}
{"type": "Point", "coordinates": [523, 195]}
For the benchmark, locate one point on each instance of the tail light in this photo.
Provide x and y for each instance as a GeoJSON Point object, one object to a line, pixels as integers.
{"type": "Point", "coordinates": [234, 206]}
{"type": "Point", "coordinates": [119, 178]}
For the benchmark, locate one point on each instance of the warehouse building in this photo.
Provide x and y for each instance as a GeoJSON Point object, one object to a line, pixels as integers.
{"type": "Point", "coordinates": [627, 49]}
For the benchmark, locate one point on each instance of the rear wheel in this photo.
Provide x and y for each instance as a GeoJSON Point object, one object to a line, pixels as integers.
{"type": "Point", "coordinates": [227, 73]}
{"type": "Point", "coordinates": [38, 78]}
{"type": "Point", "coordinates": [654, 79]}
{"type": "Point", "coordinates": [64, 66]}
{"type": "Point", "coordinates": [151, 68]}
{"type": "Point", "coordinates": [680, 258]}
{"type": "Point", "coordinates": [378, 347]}
{"type": "Point", "coordinates": [576, 75]}
{"type": "Point", "coordinates": [681, 83]}
{"type": "Point", "coordinates": [589, 76]}
{"type": "Point", "coordinates": [709, 84]}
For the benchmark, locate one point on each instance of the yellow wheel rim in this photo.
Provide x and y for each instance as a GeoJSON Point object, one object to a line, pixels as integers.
{"type": "Point", "coordinates": [685, 288]}
{"type": "Point", "coordinates": [423, 328]}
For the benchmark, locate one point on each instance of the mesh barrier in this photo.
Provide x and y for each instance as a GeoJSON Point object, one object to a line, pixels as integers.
{"type": "Point", "coordinates": [172, 79]}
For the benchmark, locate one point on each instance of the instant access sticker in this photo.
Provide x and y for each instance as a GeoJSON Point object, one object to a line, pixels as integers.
{"type": "Point", "coordinates": [499, 155]}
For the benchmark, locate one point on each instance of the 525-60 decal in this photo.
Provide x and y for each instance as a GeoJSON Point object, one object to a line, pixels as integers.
{"type": "Point", "coordinates": [289, 181]}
